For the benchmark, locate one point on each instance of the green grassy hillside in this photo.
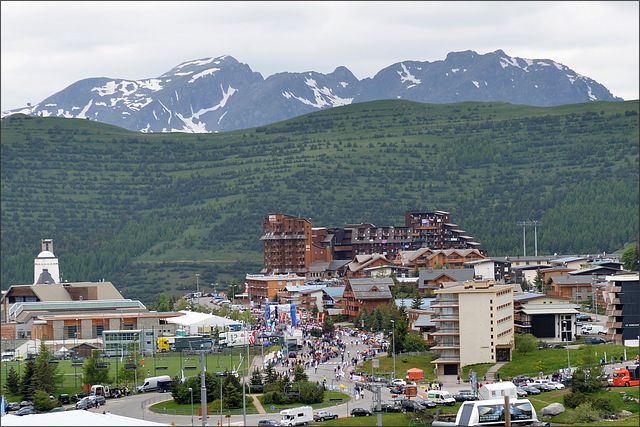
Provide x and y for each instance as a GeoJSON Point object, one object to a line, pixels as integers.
{"type": "Point", "coordinates": [149, 211]}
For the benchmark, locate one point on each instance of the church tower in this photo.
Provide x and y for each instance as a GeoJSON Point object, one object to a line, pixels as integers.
{"type": "Point", "coordinates": [45, 266]}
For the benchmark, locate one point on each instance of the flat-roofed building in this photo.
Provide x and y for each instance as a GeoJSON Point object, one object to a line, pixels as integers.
{"type": "Point", "coordinates": [261, 286]}
{"type": "Point", "coordinates": [545, 317]}
{"type": "Point", "coordinates": [474, 324]}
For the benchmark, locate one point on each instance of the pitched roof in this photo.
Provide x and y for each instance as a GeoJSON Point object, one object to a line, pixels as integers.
{"type": "Point", "coordinates": [423, 321]}
{"type": "Point", "coordinates": [572, 280]}
{"type": "Point", "coordinates": [362, 261]}
{"type": "Point", "coordinates": [335, 292]}
{"type": "Point", "coordinates": [455, 274]}
{"type": "Point", "coordinates": [372, 281]}
{"type": "Point", "coordinates": [372, 291]}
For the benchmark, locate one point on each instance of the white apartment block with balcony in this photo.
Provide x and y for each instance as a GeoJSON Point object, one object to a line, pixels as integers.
{"type": "Point", "coordinates": [474, 324]}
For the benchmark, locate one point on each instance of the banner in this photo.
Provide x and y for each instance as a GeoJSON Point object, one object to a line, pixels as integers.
{"type": "Point", "coordinates": [294, 320]}
{"type": "Point", "coordinates": [322, 317]}
{"type": "Point", "coordinates": [267, 311]}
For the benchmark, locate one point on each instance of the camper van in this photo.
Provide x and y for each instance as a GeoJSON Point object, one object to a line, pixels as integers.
{"type": "Point", "coordinates": [151, 383]}
{"type": "Point", "coordinates": [497, 390]}
{"type": "Point", "coordinates": [296, 416]}
{"type": "Point", "coordinates": [490, 412]}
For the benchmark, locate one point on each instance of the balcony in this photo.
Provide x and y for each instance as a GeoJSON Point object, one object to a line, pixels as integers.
{"type": "Point", "coordinates": [444, 304]}
{"type": "Point", "coordinates": [452, 318]}
{"type": "Point", "coordinates": [446, 332]}
{"type": "Point", "coordinates": [614, 325]}
{"type": "Point", "coordinates": [615, 289]}
{"type": "Point", "coordinates": [614, 313]}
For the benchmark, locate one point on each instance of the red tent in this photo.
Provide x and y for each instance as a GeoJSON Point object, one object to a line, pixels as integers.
{"type": "Point", "coordinates": [415, 374]}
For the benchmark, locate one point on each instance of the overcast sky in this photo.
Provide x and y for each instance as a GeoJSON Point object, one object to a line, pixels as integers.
{"type": "Point", "coordinates": [47, 46]}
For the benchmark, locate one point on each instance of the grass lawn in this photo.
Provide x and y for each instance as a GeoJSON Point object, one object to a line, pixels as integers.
{"type": "Point", "coordinates": [387, 420]}
{"type": "Point", "coordinates": [328, 395]}
{"type": "Point", "coordinates": [567, 418]}
{"type": "Point", "coordinates": [172, 408]}
{"type": "Point", "coordinates": [479, 368]}
{"type": "Point", "coordinates": [549, 360]}
{"type": "Point", "coordinates": [72, 376]}
{"type": "Point", "coordinates": [403, 363]}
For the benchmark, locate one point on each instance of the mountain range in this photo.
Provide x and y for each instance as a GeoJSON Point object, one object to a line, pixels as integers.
{"type": "Point", "coordinates": [222, 94]}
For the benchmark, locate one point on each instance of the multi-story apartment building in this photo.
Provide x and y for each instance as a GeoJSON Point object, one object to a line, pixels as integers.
{"type": "Point", "coordinates": [435, 230]}
{"type": "Point", "coordinates": [474, 324]}
{"type": "Point", "coordinates": [291, 244]}
{"type": "Point", "coordinates": [622, 295]}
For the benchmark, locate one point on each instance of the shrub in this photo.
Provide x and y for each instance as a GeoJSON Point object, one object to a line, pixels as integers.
{"type": "Point", "coordinates": [586, 413]}
{"type": "Point", "coordinates": [41, 401]}
{"type": "Point", "coordinates": [603, 405]}
{"type": "Point", "coordinates": [311, 393]}
{"type": "Point", "coordinates": [274, 397]}
{"type": "Point", "coordinates": [575, 399]}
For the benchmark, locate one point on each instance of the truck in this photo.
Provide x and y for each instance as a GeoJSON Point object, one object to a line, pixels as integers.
{"type": "Point", "coordinates": [236, 338]}
{"type": "Point", "coordinates": [489, 412]}
{"type": "Point", "coordinates": [165, 343]}
{"type": "Point", "coordinates": [151, 383]}
{"type": "Point", "coordinates": [296, 416]}
{"type": "Point", "coordinates": [191, 343]}
{"type": "Point", "coordinates": [627, 376]}
{"type": "Point", "coordinates": [100, 390]}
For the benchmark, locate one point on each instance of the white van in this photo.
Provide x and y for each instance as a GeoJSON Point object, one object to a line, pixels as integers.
{"type": "Point", "coordinates": [100, 390]}
{"type": "Point", "coordinates": [296, 416]}
{"type": "Point", "coordinates": [151, 383]}
{"type": "Point", "coordinates": [593, 329]}
{"type": "Point", "coordinates": [441, 397]}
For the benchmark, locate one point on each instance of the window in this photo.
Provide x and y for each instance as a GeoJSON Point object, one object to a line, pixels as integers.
{"type": "Point", "coordinates": [99, 329]}
{"type": "Point", "coordinates": [72, 331]}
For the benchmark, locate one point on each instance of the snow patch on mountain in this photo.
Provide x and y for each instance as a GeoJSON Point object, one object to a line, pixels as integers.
{"type": "Point", "coordinates": [150, 84]}
{"type": "Point", "coordinates": [207, 72]}
{"type": "Point", "coordinates": [476, 84]}
{"type": "Point", "coordinates": [83, 113]}
{"type": "Point", "coordinates": [406, 76]}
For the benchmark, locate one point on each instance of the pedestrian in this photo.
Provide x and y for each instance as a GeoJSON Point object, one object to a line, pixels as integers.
{"type": "Point", "coordinates": [458, 380]}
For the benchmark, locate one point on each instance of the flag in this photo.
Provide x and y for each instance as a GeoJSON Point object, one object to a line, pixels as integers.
{"type": "Point", "coordinates": [2, 411]}
{"type": "Point", "coordinates": [182, 379]}
{"type": "Point", "coordinates": [318, 317]}
{"type": "Point", "coordinates": [308, 316]}
{"type": "Point", "coordinates": [322, 317]}
{"type": "Point", "coordinates": [294, 320]}
{"type": "Point", "coordinates": [252, 338]}
{"type": "Point", "coordinates": [267, 311]}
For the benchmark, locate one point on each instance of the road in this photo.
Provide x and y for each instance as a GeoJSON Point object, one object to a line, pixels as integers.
{"type": "Point", "coordinates": [137, 406]}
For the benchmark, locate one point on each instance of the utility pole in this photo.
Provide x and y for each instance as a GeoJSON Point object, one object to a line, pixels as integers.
{"type": "Point", "coordinates": [203, 390]}
{"type": "Point", "coordinates": [535, 223]}
{"type": "Point", "coordinates": [197, 282]}
{"type": "Point", "coordinates": [393, 348]}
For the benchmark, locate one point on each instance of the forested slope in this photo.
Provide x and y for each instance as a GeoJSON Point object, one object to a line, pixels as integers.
{"type": "Point", "coordinates": [148, 211]}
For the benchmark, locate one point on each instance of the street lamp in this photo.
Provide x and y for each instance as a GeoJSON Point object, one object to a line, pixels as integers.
{"type": "Point", "coordinates": [191, 393]}
{"type": "Point", "coordinates": [197, 283]}
{"type": "Point", "coordinates": [393, 348]}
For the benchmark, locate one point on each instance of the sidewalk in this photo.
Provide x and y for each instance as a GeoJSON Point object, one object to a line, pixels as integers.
{"type": "Point", "coordinates": [491, 372]}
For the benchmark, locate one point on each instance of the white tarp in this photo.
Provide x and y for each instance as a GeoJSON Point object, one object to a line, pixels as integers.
{"type": "Point", "coordinates": [192, 320]}
{"type": "Point", "coordinates": [74, 418]}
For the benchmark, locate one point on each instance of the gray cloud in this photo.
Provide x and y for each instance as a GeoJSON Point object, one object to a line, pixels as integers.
{"type": "Point", "coordinates": [48, 45]}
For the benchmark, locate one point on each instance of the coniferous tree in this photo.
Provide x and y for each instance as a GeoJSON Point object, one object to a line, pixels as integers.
{"type": "Point", "coordinates": [256, 382]}
{"type": "Point", "coordinates": [417, 301]}
{"type": "Point", "coordinates": [13, 381]}
{"type": "Point", "coordinates": [92, 374]}
{"type": "Point", "coordinates": [27, 381]}
{"type": "Point", "coordinates": [45, 374]}
{"type": "Point", "coordinates": [299, 374]}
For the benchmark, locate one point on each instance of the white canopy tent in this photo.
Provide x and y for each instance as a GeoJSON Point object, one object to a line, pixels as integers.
{"type": "Point", "coordinates": [193, 322]}
{"type": "Point", "coordinates": [74, 418]}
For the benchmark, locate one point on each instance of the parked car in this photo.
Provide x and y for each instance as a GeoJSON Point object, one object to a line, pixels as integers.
{"type": "Point", "coordinates": [464, 395]}
{"type": "Point", "coordinates": [268, 423]}
{"type": "Point", "coordinates": [26, 410]}
{"type": "Point", "coordinates": [556, 385]}
{"type": "Point", "coordinates": [521, 392]}
{"type": "Point", "coordinates": [64, 399]}
{"type": "Point", "coordinates": [530, 390]}
{"type": "Point", "coordinates": [398, 381]}
{"type": "Point", "coordinates": [58, 409]}
{"type": "Point", "coordinates": [425, 402]}
{"type": "Point", "coordinates": [78, 397]}
{"type": "Point", "coordinates": [389, 407]}
{"type": "Point", "coordinates": [100, 400]}
{"type": "Point", "coordinates": [583, 318]}
{"type": "Point", "coordinates": [13, 406]}
{"type": "Point", "coordinates": [409, 405]}
{"type": "Point", "coordinates": [521, 380]}
{"type": "Point", "coordinates": [324, 416]}
{"type": "Point", "coordinates": [85, 403]}
{"type": "Point", "coordinates": [399, 389]}
{"type": "Point", "coordinates": [542, 386]}
{"type": "Point", "coordinates": [360, 412]}
{"type": "Point", "coordinates": [594, 340]}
